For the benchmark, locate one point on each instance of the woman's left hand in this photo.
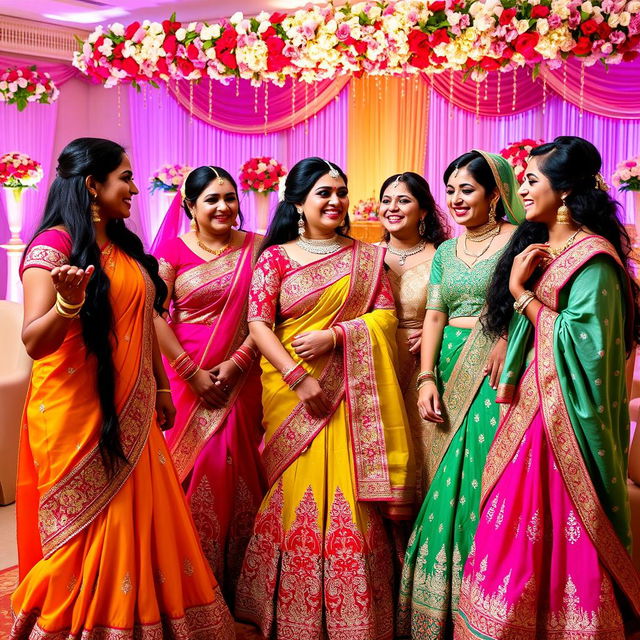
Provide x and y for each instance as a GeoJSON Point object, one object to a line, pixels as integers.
{"type": "Point", "coordinates": [165, 410]}
{"type": "Point", "coordinates": [312, 344]}
{"type": "Point", "coordinates": [226, 375]}
{"type": "Point", "coordinates": [415, 341]}
{"type": "Point", "coordinates": [495, 362]}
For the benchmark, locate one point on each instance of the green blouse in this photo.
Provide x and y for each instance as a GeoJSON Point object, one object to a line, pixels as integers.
{"type": "Point", "coordinates": [456, 289]}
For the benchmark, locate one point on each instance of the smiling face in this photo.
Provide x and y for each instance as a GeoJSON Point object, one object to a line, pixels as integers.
{"type": "Point", "coordinates": [399, 210]}
{"type": "Point", "coordinates": [216, 208]}
{"type": "Point", "coordinates": [467, 199]}
{"type": "Point", "coordinates": [541, 202]}
{"type": "Point", "coordinates": [115, 193]}
{"type": "Point", "coordinates": [326, 206]}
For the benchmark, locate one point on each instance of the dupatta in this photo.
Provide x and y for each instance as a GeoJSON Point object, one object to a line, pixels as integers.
{"type": "Point", "coordinates": [566, 383]}
{"type": "Point", "coordinates": [359, 301]}
{"type": "Point", "coordinates": [63, 484]}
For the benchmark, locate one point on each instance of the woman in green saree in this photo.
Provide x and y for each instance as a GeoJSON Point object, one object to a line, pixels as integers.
{"type": "Point", "coordinates": [551, 552]}
{"type": "Point", "coordinates": [459, 398]}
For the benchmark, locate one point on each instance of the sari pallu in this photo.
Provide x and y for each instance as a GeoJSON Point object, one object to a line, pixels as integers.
{"type": "Point", "coordinates": [105, 556]}
{"type": "Point", "coordinates": [551, 553]}
{"type": "Point", "coordinates": [319, 563]}
{"type": "Point", "coordinates": [215, 450]}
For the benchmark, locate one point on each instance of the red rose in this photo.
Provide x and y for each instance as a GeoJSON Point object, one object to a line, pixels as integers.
{"type": "Point", "coordinates": [131, 29]}
{"type": "Point", "coordinates": [163, 68]}
{"type": "Point", "coordinates": [583, 46]}
{"type": "Point", "coordinates": [170, 27]}
{"type": "Point", "coordinates": [117, 51]}
{"type": "Point", "coordinates": [604, 30]}
{"type": "Point", "coordinates": [629, 56]}
{"type": "Point", "coordinates": [13, 76]}
{"type": "Point", "coordinates": [525, 44]}
{"type": "Point", "coordinates": [170, 45]}
{"type": "Point", "coordinates": [439, 37]}
{"type": "Point", "coordinates": [489, 64]}
{"type": "Point", "coordinates": [192, 52]}
{"type": "Point", "coordinates": [270, 32]}
{"type": "Point", "coordinates": [252, 164]}
{"type": "Point", "coordinates": [130, 66]}
{"type": "Point", "coordinates": [277, 18]}
{"type": "Point", "coordinates": [31, 87]}
{"type": "Point", "coordinates": [185, 66]}
{"type": "Point", "coordinates": [507, 15]}
{"type": "Point", "coordinates": [588, 27]}
{"type": "Point", "coordinates": [540, 11]}
{"type": "Point", "coordinates": [224, 46]}
{"type": "Point", "coordinates": [439, 5]}
{"type": "Point", "coordinates": [276, 61]}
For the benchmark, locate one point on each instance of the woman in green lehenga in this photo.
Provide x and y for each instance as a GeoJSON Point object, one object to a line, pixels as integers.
{"type": "Point", "coordinates": [460, 369]}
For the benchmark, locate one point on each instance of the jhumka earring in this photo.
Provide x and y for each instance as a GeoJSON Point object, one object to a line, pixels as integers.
{"type": "Point", "coordinates": [564, 215]}
{"type": "Point", "coordinates": [422, 226]}
{"type": "Point", "coordinates": [492, 210]}
{"type": "Point", "coordinates": [194, 223]}
{"type": "Point", "coordinates": [300, 223]}
{"type": "Point", "coordinates": [95, 211]}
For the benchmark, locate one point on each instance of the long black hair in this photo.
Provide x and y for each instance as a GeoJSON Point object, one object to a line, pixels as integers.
{"type": "Point", "coordinates": [436, 228]}
{"type": "Point", "coordinates": [476, 164]}
{"type": "Point", "coordinates": [199, 179]}
{"type": "Point", "coordinates": [68, 205]}
{"type": "Point", "coordinates": [571, 164]}
{"type": "Point", "coordinates": [299, 182]}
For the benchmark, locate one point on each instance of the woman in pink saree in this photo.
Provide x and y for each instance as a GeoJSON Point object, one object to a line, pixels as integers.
{"type": "Point", "coordinates": [213, 370]}
{"type": "Point", "coordinates": [551, 553]}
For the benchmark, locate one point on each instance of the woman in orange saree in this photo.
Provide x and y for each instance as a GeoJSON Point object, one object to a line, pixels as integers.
{"type": "Point", "coordinates": [218, 428]}
{"type": "Point", "coordinates": [107, 548]}
{"type": "Point", "coordinates": [319, 564]}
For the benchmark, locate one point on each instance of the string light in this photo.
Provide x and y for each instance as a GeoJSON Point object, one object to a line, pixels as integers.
{"type": "Point", "coordinates": [582, 89]}
{"type": "Point", "coordinates": [210, 98]}
{"type": "Point", "coordinates": [499, 90]}
{"type": "Point", "coordinates": [266, 107]}
{"type": "Point", "coordinates": [544, 95]}
{"type": "Point", "coordinates": [450, 94]}
{"type": "Point", "coordinates": [515, 88]}
{"type": "Point", "coordinates": [477, 101]}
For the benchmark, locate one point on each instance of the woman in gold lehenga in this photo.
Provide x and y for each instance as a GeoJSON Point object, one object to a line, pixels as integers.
{"type": "Point", "coordinates": [414, 228]}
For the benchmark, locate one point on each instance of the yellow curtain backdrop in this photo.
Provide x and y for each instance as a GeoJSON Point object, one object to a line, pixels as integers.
{"type": "Point", "coordinates": [388, 129]}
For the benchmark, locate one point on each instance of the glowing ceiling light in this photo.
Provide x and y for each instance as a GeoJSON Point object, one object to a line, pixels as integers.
{"type": "Point", "coordinates": [89, 17]}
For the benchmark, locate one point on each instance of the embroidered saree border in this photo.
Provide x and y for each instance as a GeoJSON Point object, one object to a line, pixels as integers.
{"type": "Point", "coordinates": [297, 432]}
{"type": "Point", "coordinates": [45, 257]}
{"type": "Point", "coordinates": [365, 421]}
{"type": "Point", "coordinates": [204, 422]}
{"type": "Point", "coordinates": [570, 462]}
{"type": "Point", "coordinates": [461, 389]}
{"type": "Point", "coordinates": [75, 501]}
{"type": "Point", "coordinates": [204, 273]}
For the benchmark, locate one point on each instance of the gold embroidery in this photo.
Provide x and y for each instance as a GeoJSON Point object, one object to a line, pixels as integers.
{"type": "Point", "coordinates": [186, 283]}
{"type": "Point", "coordinates": [126, 587]}
{"type": "Point", "coordinates": [187, 567]}
{"type": "Point", "coordinates": [161, 457]}
{"type": "Point", "coordinates": [572, 528]}
{"type": "Point", "coordinates": [42, 255]}
{"type": "Point", "coordinates": [72, 583]}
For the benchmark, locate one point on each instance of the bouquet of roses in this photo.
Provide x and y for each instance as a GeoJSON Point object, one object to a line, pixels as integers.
{"type": "Point", "coordinates": [19, 171]}
{"type": "Point", "coordinates": [517, 153]}
{"type": "Point", "coordinates": [169, 177]}
{"type": "Point", "coordinates": [23, 85]}
{"type": "Point", "coordinates": [627, 175]}
{"type": "Point", "coordinates": [366, 209]}
{"type": "Point", "coordinates": [261, 175]}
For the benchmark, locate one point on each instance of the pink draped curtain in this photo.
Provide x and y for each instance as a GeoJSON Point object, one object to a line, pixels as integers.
{"type": "Point", "coordinates": [164, 132]}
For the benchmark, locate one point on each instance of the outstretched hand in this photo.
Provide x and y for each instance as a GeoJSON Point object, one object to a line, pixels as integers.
{"type": "Point", "coordinates": [71, 282]}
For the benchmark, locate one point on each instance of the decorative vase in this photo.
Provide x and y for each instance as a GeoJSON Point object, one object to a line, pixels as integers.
{"type": "Point", "coordinates": [636, 202]}
{"type": "Point", "coordinates": [262, 211]}
{"type": "Point", "coordinates": [15, 212]}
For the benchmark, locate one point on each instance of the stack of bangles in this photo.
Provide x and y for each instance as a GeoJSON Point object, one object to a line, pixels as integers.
{"type": "Point", "coordinates": [67, 309]}
{"type": "Point", "coordinates": [184, 366]}
{"type": "Point", "coordinates": [521, 303]}
{"type": "Point", "coordinates": [244, 357]}
{"type": "Point", "coordinates": [424, 377]}
{"type": "Point", "coordinates": [294, 376]}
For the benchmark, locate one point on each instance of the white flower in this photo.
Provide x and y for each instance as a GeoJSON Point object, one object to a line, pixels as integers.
{"type": "Point", "coordinates": [587, 7]}
{"type": "Point", "coordinates": [181, 34]}
{"type": "Point", "coordinates": [236, 17]}
{"type": "Point", "coordinates": [96, 34]}
{"type": "Point", "coordinates": [117, 29]}
{"type": "Point", "coordinates": [542, 26]}
{"type": "Point", "coordinates": [614, 20]}
{"type": "Point", "coordinates": [625, 19]}
{"type": "Point", "coordinates": [522, 26]}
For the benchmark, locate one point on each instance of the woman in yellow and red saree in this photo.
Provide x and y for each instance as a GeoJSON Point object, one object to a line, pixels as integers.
{"type": "Point", "coordinates": [551, 557]}
{"type": "Point", "coordinates": [214, 377]}
{"type": "Point", "coordinates": [319, 564]}
{"type": "Point", "coordinates": [107, 548]}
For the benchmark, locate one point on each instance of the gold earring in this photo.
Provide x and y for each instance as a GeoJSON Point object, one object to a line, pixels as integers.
{"type": "Point", "coordinates": [194, 223]}
{"type": "Point", "coordinates": [492, 210]}
{"type": "Point", "coordinates": [95, 211]}
{"type": "Point", "coordinates": [564, 214]}
{"type": "Point", "coordinates": [422, 226]}
{"type": "Point", "coordinates": [300, 222]}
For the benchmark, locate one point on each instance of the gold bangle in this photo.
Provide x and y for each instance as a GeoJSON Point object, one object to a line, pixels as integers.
{"type": "Point", "coordinates": [67, 304]}
{"type": "Point", "coordinates": [523, 300]}
{"type": "Point", "coordinates": [424, 382]}
{"type": "Point", "coordinates": [65, 314]}
{"type": "Point", "coordinates": [163, 390]}
{"type": "Point", "coordinates": [333, 335]}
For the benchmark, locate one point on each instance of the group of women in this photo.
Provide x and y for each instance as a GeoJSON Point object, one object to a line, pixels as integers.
{"type": "Point", "coordinates": [424, 438]}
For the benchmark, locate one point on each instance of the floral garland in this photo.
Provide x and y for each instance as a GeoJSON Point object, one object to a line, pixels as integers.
{"type": "Point", "coordinates": [19, 171]}
{"type": "Point", "coordinates": [389, 37]}
{"type": "Point", "coordinates": [366, 210]}
{"type": "Point", "coordinates": [23, 85]}
{"type": "Point", "coordinates": [627, 175]}
{"type": "Point", "coordinates": [517, 153]}
{"type": "Point", "coordinates": [261, 175]}
{"type": "Point", "coordinates": [169, 177]}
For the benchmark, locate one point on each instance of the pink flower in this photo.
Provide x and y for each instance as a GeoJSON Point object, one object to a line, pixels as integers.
{"type": "Point", "coordinates": [309, 28]}
{"type": "Point", "coordinates": [630, 164]}
{"type": "Point", "coordinates": [554, 21]}
{"type": "Point", "coordinates": [617, 37]}
{"type": "Point", "coordinates": [343, 31]}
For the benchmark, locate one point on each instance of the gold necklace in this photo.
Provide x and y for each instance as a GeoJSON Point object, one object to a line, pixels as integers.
{"type": "Point", "coordinates": [215, 252]}
{"type": "Point", "coordinates": [495, 233]}
{"type": "Point", "coordinates": [554, 253]}
{"type": "Point", "coordinates": [484, 231]}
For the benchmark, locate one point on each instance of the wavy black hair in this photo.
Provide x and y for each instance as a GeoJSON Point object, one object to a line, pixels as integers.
{"type": "Point", "coordinates": [68, 205]}
{"type": "Point", "coordinates": [571, 164]}
{"type": "Point", "coordinates": [198, 180]}
{"type": "Point", "coordinates": [436, 228]}
{"type": "Point", "coordinates": [299, 182]}
{"type": "Point", "coordinates": [476, 164]}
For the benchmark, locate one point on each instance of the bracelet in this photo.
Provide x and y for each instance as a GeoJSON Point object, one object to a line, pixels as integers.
{"type": "Point", "coordinates": [525, 298]}
{"type": "Point", "coordinates": [294, 376]}
{"type": "Point", "coordinates": [184, 366]}
{"type": "Point", "coordinates": [238, 362]}
{"type": "Point", "coordinates": [333, 335]}
{"type": "Point", "coordinates": [288, 371]}
{"type": "Point", "coordinates": [426, 374]}
{"type": "Point", "coordinates": [294, 384]}
{"type": "Point", "coordinates": [423, 383]}
{"type": "Point", "coordinates": [68, 305]}
{"type": "Point", "coordinates": [65, 314]}
{"type": "Point", "coordinates": [163, 390]}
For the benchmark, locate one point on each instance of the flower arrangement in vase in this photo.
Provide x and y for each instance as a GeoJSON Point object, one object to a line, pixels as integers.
{"type": "Point", "coordinates": [517, 153]}
{"type": "Point", "coordinates": [169, 177]}
{"type": "Point", "coordinates": [24, 85]}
